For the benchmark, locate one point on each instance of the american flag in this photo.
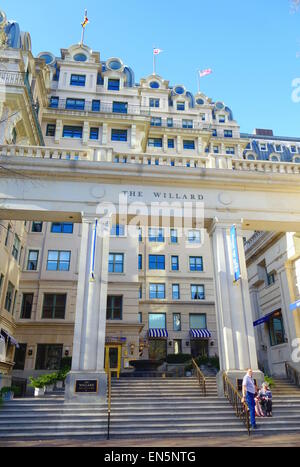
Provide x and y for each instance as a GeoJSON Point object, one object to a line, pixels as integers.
{"type": "Point", "coordinates": [205, 72]}
{"type": "Point", "coordinates": [157, 51]}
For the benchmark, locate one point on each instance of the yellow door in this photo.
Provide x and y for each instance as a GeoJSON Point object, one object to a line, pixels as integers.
{"type": "Point", "coordinates": [113, 359]}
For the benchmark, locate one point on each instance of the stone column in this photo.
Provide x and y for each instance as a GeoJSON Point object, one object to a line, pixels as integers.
{"type": "Point", "coordinates": [90, 322]}
{"type": "Point", "coordinates": [237, 348]}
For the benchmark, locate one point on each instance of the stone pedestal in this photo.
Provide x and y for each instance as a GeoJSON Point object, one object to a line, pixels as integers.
{"type": "Point", "coordinates": [90, 321]}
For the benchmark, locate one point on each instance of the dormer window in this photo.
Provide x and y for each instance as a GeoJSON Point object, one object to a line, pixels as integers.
{"type": "Point", "coordinates": [154, 85]}
{"type": "Point", "coordinates": [80, 58]}
{"type": "Point", "coordinates": [278, 148]}
{"type": "Point", "coordinates": [222, 118]}
{"type": "Point", "coordinates": [293, 149]}
{"type": "Point", "coordinates": [78, 80]}
{"type": "Point", "coordinates": [180, 105]}
{"type": "Point", "coordinates": [263, 147]}
{"type": "Point", "coordinates": [113, 85]}
{"type": "Point", "coordinates": [154, 103]}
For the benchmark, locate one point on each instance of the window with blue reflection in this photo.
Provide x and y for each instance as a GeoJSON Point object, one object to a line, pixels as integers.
{"type": "Point", "coordinates": [194, 236]}
{"type": "Point", "coordinates": [140, 265]}
{"type": "Point", "coordinates": [62, 227]}
{"type": "Point", "coordinates": [175, 292]}
{"type": "Point", "coordinates": [157, 320]}
{"type": "Point", "coordinates": [198, 321]}
{"type": "Point", "coordinates": [180, 105]}
{"type": "Point", "coordinates": [188, 144]}
{"type": "Point", "coordinates": [119, 135]}
{"type": "Point", "coordinates": [58, 261]}
{"type": "Point", "coordinates": [120, 107]}
{"type": "Point", "coordinates": [155, 142]}
{"type": "Point", "coordinates": [95, 106]}
{"type": "Point", "coordinates": [227, 133]}
{"type": "Point", "coordinates": [72, 132]}
{"type": "Point", "coordinates": [156, 235]}
{"type": "Point", "coordinates": [118, 230]}
{"type": "Point", "coordinates": [196, 263]}
{"type": "Point", "coordinates": [157, 262]}
{"type": "Point", "coordinates": [154, 103]}
{"type": "Point", "coordinates": [94, 133]}
{"type": "Point", "coordinates": [170, 122]}
{"type": "Point", "coordinates": [80, 58]}
{"type": "Point", "coordinates": [77, 80]}
{"type": "Point", "coordinates": [116, 263]}
{"type": "Point", "coordinates": [176, 321]}
{"type": "Point", "coordinates": [113, 85]}
{"type": "Point", "coordinates": [174, 236]}
{"type": "Point", "coordinates": [187, 123]}
{"type": "Point", "coordinates": [54, 102]}
{"type": "Point", "coordinates": [155, 121]}
{"type": "Point", "coordinates": [197, 292]}
{"type": "Point", "coordinates": [175, 263]}
{"type": "Point", "coordinates": [75, 104]}
{"type": "Point", "coordinates": [154, 85]}
{"type": "Point", "coordinates": [171, 143]}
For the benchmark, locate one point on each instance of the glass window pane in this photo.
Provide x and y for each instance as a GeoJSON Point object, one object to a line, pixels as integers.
{"type": "Point", "coordinates": [157, 321]}
{"type": "Point", "coordinates": [197, 321]}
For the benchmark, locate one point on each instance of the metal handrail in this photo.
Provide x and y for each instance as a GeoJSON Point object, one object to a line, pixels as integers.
{"type": "Point", "coordinates": [235, 398]}
{"type": "Point", "coordinates": [108, 402]}
{"type": "Point", "coordinates": [201, 377]}
{"type": "Point", "coordinates": [292, 374]}
{"type": "Point", "coordinates": [104, 107]}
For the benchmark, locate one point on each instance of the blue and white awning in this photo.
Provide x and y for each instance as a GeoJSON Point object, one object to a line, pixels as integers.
{"type": "Point", "coordinates": [200, 334]}
{"type": "Point", "coordinates": [158, 333]}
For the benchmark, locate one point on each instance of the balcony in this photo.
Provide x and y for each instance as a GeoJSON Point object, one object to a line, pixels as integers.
{"type": "Point", "coordinates": [105, 108]}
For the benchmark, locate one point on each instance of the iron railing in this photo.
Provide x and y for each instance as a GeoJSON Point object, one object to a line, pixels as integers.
{"type": "Point", "coordinates": [292, 374]}
{"type": "Point", "coordinates": [201, 378]}
{"type": "Point", "coordinates": [11, 78]}
{"type": "Point", "coordinates": [234, 397]}
{"type": "Point", "coordinates": [104, 107]}
{"type": "Point", "coordinates": [108, 402]}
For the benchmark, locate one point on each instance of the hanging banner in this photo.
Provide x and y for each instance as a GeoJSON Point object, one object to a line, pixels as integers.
{"type": "Point", "coordinates": [295, 306]}
{"type": "Point", "coordinates": [235, 254]}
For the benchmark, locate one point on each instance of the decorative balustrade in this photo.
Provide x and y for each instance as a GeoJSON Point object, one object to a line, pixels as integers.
{"type": "Point", "coordinates": [108, 155]}
{"type": "Point", "coordinates": [82, 105]}
{"type": "Point", "coordinates": [11, 78]}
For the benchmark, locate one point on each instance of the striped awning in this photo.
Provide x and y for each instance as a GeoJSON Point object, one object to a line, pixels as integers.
{"type": "Point", "coordinates": [158, 333]}
{"type": "Point", "coordinates": [9, 338]}
{"type": "Point", "coordinates": [200, 334]}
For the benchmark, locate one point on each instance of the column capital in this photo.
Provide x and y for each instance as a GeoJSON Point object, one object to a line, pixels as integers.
{"type": "Point", "coordinates": [219, 223]}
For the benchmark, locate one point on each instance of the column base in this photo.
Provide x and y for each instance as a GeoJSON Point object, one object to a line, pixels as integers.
{"type": "Point", "coordinates": [234, 376]}
{"type": "Point", "coordinates": [83, 387]}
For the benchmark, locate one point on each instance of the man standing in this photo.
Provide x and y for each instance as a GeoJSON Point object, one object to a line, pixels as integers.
{"type": "Point", "coordinates": [249, 391]}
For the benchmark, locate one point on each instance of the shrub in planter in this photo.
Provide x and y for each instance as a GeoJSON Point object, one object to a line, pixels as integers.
{"type": "Point", "coordinates": [38, 384]}
{"type": "Point", "coordinates": [7, 393]}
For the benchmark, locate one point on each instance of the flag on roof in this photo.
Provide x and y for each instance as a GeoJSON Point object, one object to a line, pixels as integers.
{"type": "Point", "coordinates": [85, 21]}
{"type": "Point", "coordinates": [157, 51]}
{"type": "Point", "coordinates": [205, 72]}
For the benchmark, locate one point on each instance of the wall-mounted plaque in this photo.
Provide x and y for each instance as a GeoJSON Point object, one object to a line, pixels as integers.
{"type": "Point", "coordinates": [86, 386]}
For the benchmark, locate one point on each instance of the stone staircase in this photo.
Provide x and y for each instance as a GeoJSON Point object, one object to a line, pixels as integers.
{"type": "Point", "coordinates": [146, 408]}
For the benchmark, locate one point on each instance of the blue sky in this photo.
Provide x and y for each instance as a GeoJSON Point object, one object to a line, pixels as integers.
{"type": "Point", "coordinates": [251, 45]}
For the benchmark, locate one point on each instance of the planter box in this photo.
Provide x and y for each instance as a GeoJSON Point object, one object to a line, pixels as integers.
{"type": "Point", "coordinates": [49, 388]}
{"type": "Point", "coordinates": [38, 392]}
{"type": "Point", "coordinates": [59, 384]}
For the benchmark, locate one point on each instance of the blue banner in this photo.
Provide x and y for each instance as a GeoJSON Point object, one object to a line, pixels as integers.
{"type": "Point", "coordinates": [235, 254]}
{"type": "Point", "coordinates": [295, 306]}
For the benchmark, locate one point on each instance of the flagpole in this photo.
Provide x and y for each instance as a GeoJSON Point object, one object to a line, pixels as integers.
{"type": "Point", "coordinates": [154, 67]}
{"type": "Point", "coordinates": [198, 76]}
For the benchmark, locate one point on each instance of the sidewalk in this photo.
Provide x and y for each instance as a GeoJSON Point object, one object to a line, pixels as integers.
{"type": "Point", "coordinates": [256, 440]}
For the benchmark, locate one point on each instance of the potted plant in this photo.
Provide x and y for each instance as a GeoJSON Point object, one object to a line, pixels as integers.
{"type": "Point", "coordinates": [39, 386]}
{"type": "Point", "coordinates": [61, 376]}
{"type": "Point", "coordinates": [49, 381]}
{"type": "Point", "coordinates": [7, 393]}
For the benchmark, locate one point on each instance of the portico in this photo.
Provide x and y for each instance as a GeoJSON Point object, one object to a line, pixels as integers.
{"type": "Point", "coordinates": [36, 188]}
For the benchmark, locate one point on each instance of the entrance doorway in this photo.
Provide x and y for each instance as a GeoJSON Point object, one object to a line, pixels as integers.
{"type": "Point", "coordinates": [157, 349]}
{"type": "Point", "coordinates": [113, 359]}
{"type": "Point", "coordinates": [199, 348]}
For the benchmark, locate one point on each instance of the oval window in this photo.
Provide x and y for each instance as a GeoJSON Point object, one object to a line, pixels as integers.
{"type": "Point", "coordinates": [179, 90]}
{"type": "Point", "coordinates": [80, 58]}
{"type": "Point", "coordinates": [200, 101]}
{"type": "Point", "coordinates": [47, 57]}
{"type": "Point", "coordinates": [154, 85]}
{"type": "Point", "coordinates": [114, 65]}
{"type": "Point", "coordinates": [219, 105]}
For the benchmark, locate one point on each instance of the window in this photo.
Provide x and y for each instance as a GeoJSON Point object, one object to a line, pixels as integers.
{"type": "Point", "coordinates": [155, 142]}
{"type": "Point", "coordinates": [51, 128]}
{"type": "Point", "coordinates": [113, 85]}
{"type": "Point", "coordinates": [188, 144]}
{"type": "Point", "coordinates": [16, 247]}
{"type": "Point", "coordinates": [203, 117]}
{"type": "Point", "coordinates": [216, 149]}
{"type": "Point", "coordinates": [157, 291]}
{"type": "Point", "coordinates": [140, 232]}
{"type": "Point", "coordinates": [198, 321]}
{"type": "Point", "coordinates": [116, 263]}
{"type": "Point", "coordinates": [278, 148]}
{"type": "Point", "coordinates": [58, 260]}
{"type": "Point", "coordinates": [222, 118]}
{"type": "Point", "coordinates": [155, 121]}
{"type": "Point", "coordinates": [114, 307]}
{"type": "Point", "coordinates": [227, 133]}
{"type": "Point", "coordinates": [157, 321]}
{"type": "Point", "coordinates": [175, 292]}
{"type": "Point", "coordinates": [77, 80]}
{"type": "Point", "coordinates": [154, 103]}
{"type": "Point", "coordinates": [54, 102]}
{"type": "Point", "coordinates": [120, 107]}
{"type": "Point", "coordinates": [140, 292]}
{"type": "Point", "coordinates": [293, 149]}
{"type": "Point", "coordinates": [214, 132]}
{"type": "Point", "coordinates": [187, 124]}
{"type": "Point", "coordinates": [20, 357]}
{"type": "Point", "coordinates": [54, 306]}
{"type": "Point", "coordinates": [117, 230]}
{"type": "Point", "coordinates": [177, 346]}
{"type": "Point", "coordinates": [156, 235]}
{"type": "Point", "coordinates": [177, 322]}
{"type": "Point", "coordinates": [1, 283]}
{"type": "Point", "coordinates": [48, 356]}
{"type": "Point", "coordinates": [194, 236]}
{"type": "Point", "coordinates": [263, 147]}
{"type": "Point", "coordinates": [62, 227]}
{"type": "Point", "coordinates": [75, 104]}
{"type": "Point", "coordinates": [180, 106]}
{"type": "Point", "coordinates": [170, 122]}
{"type": "Point", "coordinates": [271, 278]}
{"type": "Point", "coordinates": [72, 132]}
{"type": "Point", "coordinates": [32, 263]}
{"type": "Point", "coordinates": [37, 227]}
{"type": "Point", "coordinates": [197, 292]}
{"type": "Point", "coordinates": [157, 262]}
{"type": "Point", "coordinates": [9, 297]}
{"type": "Point", "coordinates": [140, 317]}
{"type": "Point", "coordinates": [119, 135]}
{"type": "Point", "coordinates": [230, 150]}
{"type": "Point", "coordinates": [95, 106]}
{"type": "Point", "coordinates": [171, 144]}
{"type": "Point", "coordinates": [276, 329]}
{"type": "Point", "coordinates": [174, 236]}
{"type": "Point", "coordinates": [196, 263]}
{"type": "Point", "coordinates": [94, 133]}
{"type": "Point", "coordinates": [26, 309]}
{"type": "Point", "coordinates": [175, 263]}
{"type": "Point", "coordinates": [7, 235]}
{"type": "Point", "coordinates": [140, 262]}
